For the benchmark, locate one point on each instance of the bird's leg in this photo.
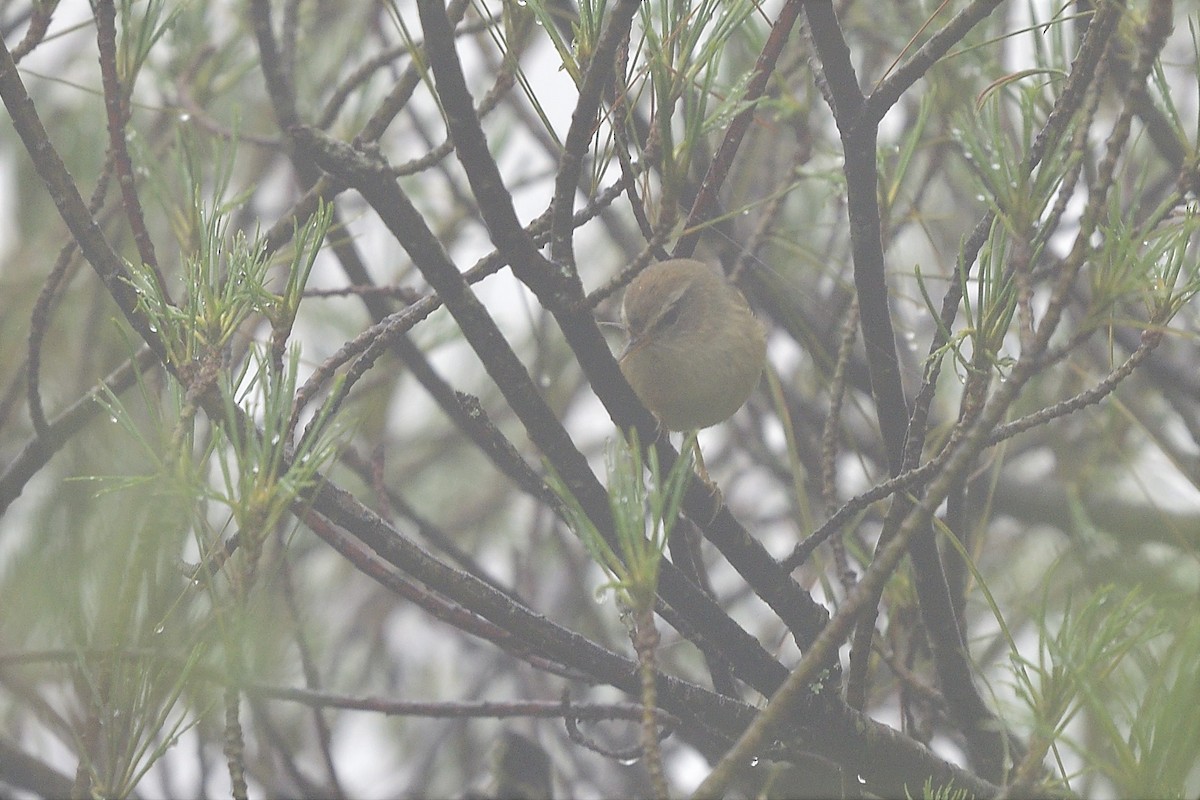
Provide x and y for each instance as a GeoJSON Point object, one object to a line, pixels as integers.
{"type": "Point", "coordinates": [713, 491]}
{"type": "Point", "coordinates": [660, 432]}
{"type": "Point", "coordinates": [700, 470]}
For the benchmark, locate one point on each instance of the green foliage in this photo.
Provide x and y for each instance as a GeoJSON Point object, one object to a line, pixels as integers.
{"type": "Point", "coordinates": [1126, 667]}
{"type": "Point", "coordinates": [948, 792]}
{"type": "Point", "coordinates": [262, 474]}
{"type": "Point", "coordinates": [999, 159]}
{"type": "Point", "coordinates": [141, 26]}
{"type": "Point", "coordinates": [643, 517]}
{"type": "Point", "coordinates": [225, 276]}
{"type": "Point", "coordinates": [239, 476]}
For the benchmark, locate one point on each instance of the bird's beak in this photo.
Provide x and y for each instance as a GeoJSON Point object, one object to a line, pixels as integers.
{"type": "Point", "coordinates": [633, 344]}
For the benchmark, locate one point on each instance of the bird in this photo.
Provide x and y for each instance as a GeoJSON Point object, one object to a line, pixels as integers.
{"type": "Point", "coordinates": [695, 350]}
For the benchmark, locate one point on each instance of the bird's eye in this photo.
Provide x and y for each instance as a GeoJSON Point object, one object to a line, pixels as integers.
{"type": "Point", "coordinates": [669, 317]}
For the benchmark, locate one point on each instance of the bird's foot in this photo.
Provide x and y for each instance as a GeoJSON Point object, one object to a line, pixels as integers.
{"type": "Point", "coordinates": [718, 499]}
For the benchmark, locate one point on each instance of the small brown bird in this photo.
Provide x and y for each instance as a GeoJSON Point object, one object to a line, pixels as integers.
{"type": "Point", "coordinates": [695, 349]}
